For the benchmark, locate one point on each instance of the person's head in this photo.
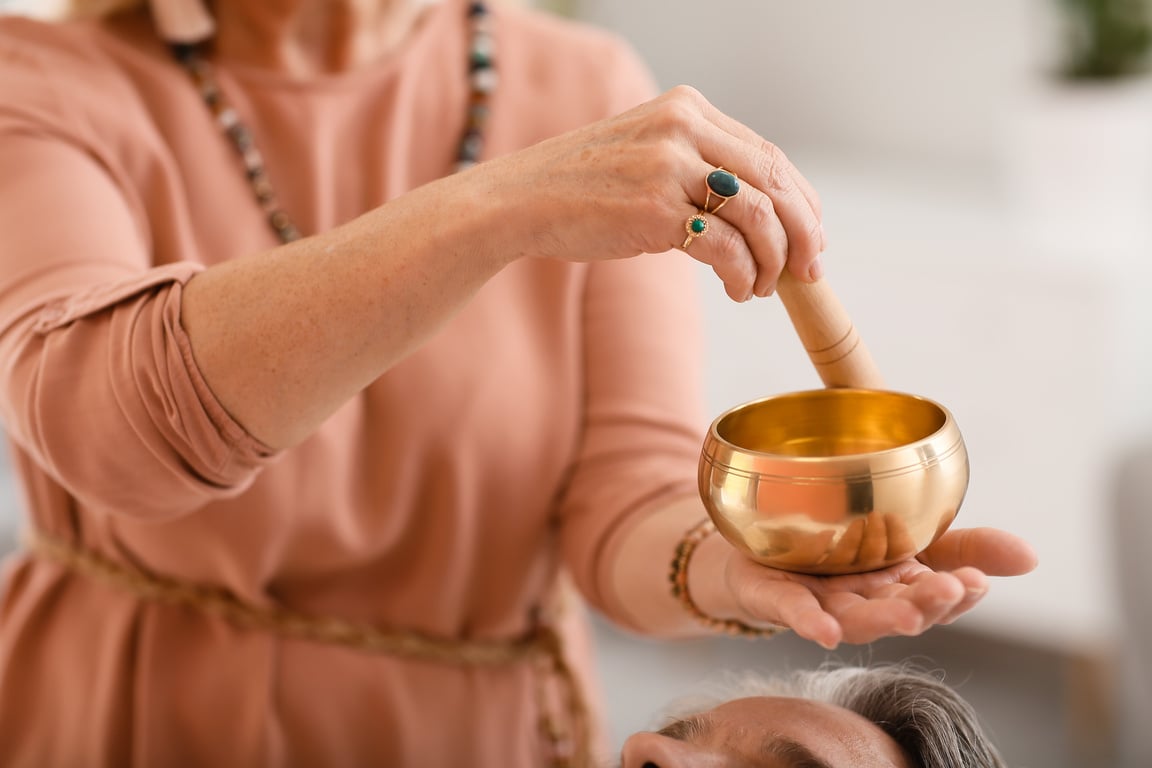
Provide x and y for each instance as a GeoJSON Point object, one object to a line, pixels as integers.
{"type": "Point", "coordinates": [876, 717]}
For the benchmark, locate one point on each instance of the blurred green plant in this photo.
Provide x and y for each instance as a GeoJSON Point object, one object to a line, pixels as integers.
{"type": "Point", "coordinates": [1108, 39]}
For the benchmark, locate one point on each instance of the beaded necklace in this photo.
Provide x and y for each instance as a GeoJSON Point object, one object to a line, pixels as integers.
{"type": "Point", "coordinates": [482, 81]}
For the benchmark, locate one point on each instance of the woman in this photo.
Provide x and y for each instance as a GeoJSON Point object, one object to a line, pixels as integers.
{"type": "Point", "coordinates": [304, 501]}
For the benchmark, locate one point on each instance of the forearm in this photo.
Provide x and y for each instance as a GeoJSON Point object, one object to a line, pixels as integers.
{"type": "Point", "coordinates": [285, 337]}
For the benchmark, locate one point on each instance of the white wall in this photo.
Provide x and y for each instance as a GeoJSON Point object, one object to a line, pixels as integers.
{"type": "Point", "coordinates": [32, 7]}
{"type": "Point", "coordinates": [928, 77]}
{"type": "Point", "coordinates": [916, 122]}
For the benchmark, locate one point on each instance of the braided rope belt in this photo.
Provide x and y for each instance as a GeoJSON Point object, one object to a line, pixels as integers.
{"type": "Point", "coordinates": [570, 747]}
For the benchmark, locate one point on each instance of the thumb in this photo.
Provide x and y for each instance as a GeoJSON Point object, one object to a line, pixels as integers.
{"type": "Point", "coordinates": [996, 552]}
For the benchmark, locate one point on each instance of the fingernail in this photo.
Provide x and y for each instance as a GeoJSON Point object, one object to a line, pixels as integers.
{"type": "Point", "coordinates": [823, 239]}
{"type": "Point", "coordinates": [977, 591]}
{"type": "Point", "coordinates": [816, 271]}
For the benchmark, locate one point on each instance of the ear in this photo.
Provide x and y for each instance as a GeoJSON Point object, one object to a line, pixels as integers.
{"type": "Point", "coordinates": [651, 750]}
{"type": "Point", "coordinates": [182, 21]}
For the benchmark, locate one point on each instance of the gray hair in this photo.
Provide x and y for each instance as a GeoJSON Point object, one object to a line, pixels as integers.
{"type": "Point", "coordinates": [927, 718]}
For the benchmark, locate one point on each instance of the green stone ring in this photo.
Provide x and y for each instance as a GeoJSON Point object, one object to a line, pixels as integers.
{"type": "Point", "coordinates": [723, 184]}
{"type": "Point", "coordinates": [696, 226]}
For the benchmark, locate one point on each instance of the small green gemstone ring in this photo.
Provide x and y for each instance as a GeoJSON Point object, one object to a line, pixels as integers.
{"type": "Point", "coordinates": [722, 184]}
{"type": "Point", "coordinates": [696, 226]}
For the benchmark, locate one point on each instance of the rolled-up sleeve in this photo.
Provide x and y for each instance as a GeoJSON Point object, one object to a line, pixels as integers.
{"type": "Point", "coordinates": [102, 389]}
{"type": "Point", "coordinates": [98, 384]}
{"type": "Point", "coordinates": [643, 422]}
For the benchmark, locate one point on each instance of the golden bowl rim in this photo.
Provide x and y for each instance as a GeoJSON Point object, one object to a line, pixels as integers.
{"type": "Point", "coordinates": [949, 422]}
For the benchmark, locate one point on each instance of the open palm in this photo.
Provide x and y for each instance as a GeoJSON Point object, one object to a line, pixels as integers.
{"type": "Point", "coordinates": [935, 587]}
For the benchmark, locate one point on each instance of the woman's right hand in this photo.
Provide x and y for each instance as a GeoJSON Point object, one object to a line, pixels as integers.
{"type": "Point", "coordinates": [628, 185]}
{"type": "Point", "coordinates": [380, 285]}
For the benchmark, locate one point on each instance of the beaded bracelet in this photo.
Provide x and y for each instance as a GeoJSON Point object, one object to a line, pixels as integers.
{"type": "Point", "coordinates": [679, 579]}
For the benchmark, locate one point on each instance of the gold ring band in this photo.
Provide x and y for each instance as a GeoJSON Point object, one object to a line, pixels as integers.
{"type": "Point", "coordinates": [696, 226]}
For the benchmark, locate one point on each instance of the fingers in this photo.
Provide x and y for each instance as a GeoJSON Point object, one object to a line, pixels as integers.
{"type": "Point", "coordinates": [906, 599]}
{"type": "Point", "coordinates": [995, 552]}
{"type": "Point", "coordinates": [744, 134]}
{"type": "Point", "coordinates": [805, 231]}
{"type": "Point", "coordinates": [754, 234]}
{"type": "Point", "coordinates": [795, 606]}
{"type": "Point", "coordinates": [764, 167]}
{"type": "Point", "coordinates": [776, 211]}
{"type": "Point", "coordinates": [813, 199]}
{"type": "Point", "coordinates": [935, 596]}
{"type": "Point", "coordinates": [769, 197]}
{"type": "Point", "coordinates": [899, 608]}
{"type": "Point", "coordinates": [745, 242]}
{"type": "Point", "coordinates": [769, 595]}
{"type": "Point", "coordinates": [723, 247]}
{"type": "Point", "coordinates": [863, 620]}
{"type": "Point", "coordinates": [975, 587]}
{"type": "Point", "coordinates": [829, 618]}
{"type": "Point", "coordinates": [754, 214]}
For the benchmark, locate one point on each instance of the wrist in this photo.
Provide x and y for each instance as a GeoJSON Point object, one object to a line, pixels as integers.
{"type": "Point", "coordinates": [702, 565]}
{"type": "Point", "coordinates": [706, 578]}
{"type": "Point", "coordinates": [482, 214]}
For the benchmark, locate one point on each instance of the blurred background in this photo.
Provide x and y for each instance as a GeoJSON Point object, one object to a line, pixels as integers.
{"type": "Point", "coordinates": [986, 174]}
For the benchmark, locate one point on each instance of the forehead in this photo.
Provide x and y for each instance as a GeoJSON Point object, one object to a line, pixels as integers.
{"type": "Point", "coordinates": [786, 732]}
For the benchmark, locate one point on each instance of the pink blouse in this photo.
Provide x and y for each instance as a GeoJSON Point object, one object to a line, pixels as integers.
{"type": "Point", "coordinates": [443, 499]}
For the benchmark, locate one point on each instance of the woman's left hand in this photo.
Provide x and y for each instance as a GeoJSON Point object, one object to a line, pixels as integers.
{"type": "Point", "coordinates": [938, 586]}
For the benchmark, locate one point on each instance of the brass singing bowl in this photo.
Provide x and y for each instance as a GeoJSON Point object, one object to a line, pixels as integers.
{"type": "Point", "coordinates": [834, 481]}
